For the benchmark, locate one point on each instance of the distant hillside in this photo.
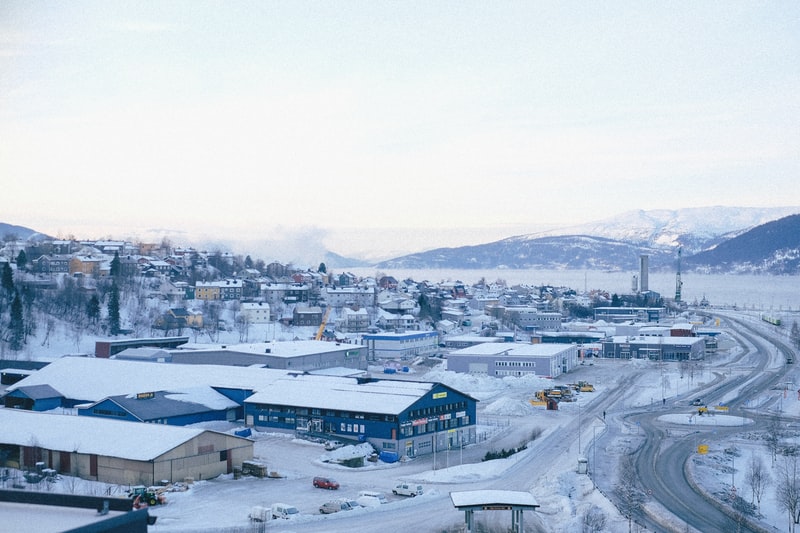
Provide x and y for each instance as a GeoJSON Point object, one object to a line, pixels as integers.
{"type": "Point", "coordinates": [694, 229]}
{"type": "Point", "coordinates": [658, 234]}
{"type": "Point", "coordinates": [565, 252]}
{"type": "Point", "coordinates": [773, 247]}
{"type": "Point", "coordinates": [19, 232]}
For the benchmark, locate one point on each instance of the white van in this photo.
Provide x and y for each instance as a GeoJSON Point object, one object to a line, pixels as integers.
{"type": "Point", "coordinates": [407, 489]}
{"type": "Point", "coordinates": [370, 498]}
{"type": "Point", "coordinates": [283, 510]}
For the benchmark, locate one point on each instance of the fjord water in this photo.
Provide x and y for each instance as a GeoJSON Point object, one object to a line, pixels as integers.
{"type": "Point", "coordinates": [746, 291]}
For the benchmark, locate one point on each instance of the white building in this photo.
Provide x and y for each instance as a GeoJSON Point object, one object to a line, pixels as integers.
{"type": "Point", "coordinates": [256, 312]}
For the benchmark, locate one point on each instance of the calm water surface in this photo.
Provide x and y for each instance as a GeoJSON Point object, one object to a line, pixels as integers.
{"type": "Point", "coordinates": [763, 292]}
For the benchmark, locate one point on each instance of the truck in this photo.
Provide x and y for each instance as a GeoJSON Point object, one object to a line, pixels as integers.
{"type": "Point", "coordinates": [583, 386]}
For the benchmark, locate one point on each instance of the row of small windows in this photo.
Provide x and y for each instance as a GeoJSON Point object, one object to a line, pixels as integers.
{"type": "Point", "coordinates": [438, 409]}
{"type": "Point", "coordinates": [275, 411]}
{"type": "Point", "coordinates": [434, 426]}
{"type": "Point", "coordinates": [108, 412]}
{"type": "Point", "coordinates": [513, 372]}
{"type": "Point", "coordinates": [529, 364]}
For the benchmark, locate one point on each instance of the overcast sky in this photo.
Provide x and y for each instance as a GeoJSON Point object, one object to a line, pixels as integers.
{"type": "Point", "coordinates": [337, 121]}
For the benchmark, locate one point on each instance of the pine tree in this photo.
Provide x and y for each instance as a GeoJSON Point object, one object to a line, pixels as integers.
{"type": "Point", "coordinates": [93, 309]}
{"type": "Point", "coordinates": [7, 282]}
{"type": "Point", "coordinates": [16, 324]}
{"type": "Point", "coordinates": [116, 266]}
{"type": "Point", "coordinates": [113, 310]}
{"type": "Point", "coordinates": [322, 268]}
{"type": "Point", "coordinates": [22, 260]}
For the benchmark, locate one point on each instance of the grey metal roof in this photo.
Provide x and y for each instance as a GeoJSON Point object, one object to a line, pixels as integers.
{"type": "Point", "coordinates": [167, 404]}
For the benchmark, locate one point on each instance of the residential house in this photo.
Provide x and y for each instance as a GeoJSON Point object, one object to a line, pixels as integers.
{"type": "Point", "coordinates": [307, 316]}
{"type": "Point", "coordinates": [255, 312]}
{"type": "Point", "coordinates": [351, 296]}
{"type": "Point", "coordinates": [229, 289]}
{"type": "Point", "coordinates": [90, 265]}
{"type": "Point", "coordinates": [52, 264]}
{"type": "Point", "coordinates": [286, 293]}
{"type": "Point", "coordinates": [353, 320]}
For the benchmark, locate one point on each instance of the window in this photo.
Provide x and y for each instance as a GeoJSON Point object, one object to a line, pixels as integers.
{"type": "Point", "coordinates": [223, 455]}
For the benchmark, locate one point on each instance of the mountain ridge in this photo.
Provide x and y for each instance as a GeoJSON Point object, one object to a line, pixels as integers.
{"type": "Point", "coordinates": [658, 234]}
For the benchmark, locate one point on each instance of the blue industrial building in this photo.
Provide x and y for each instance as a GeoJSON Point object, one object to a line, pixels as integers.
{"type": "Point", "coordinates": [174, 408]}
{"type": "Point", "coordinates": [407, 418]}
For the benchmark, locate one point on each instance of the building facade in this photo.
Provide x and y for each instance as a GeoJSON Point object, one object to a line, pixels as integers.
{"type": "Point", "coordinates": [403, 417]}
{"type": "Point", "coordinates": [400, 345]}
{"type": "Point", "coordinates": [511, 359]}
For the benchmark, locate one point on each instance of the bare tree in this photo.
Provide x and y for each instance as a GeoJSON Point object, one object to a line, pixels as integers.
{"type": "Point", "coordinates": [594, 521]}
{"type": "Point", "coordinates": [243, 327]}
{"type": "Point", "coordinates": [630, 496]}
{"type": "Point", "coordinates": [757, 478]}
{"type": "Point", "coordinates": [787, 490]}
{"type": "Point", "coordinates": [772, 437]}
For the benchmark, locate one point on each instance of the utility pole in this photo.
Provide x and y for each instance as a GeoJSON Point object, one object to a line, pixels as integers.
{"type": "Point", "coordinates": [678, 282]}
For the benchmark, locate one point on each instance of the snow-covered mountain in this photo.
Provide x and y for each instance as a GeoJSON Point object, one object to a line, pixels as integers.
{"type": "Point", "coordinates": [696, 228]}
{"type": "Point", "coordinates": [611, 244]}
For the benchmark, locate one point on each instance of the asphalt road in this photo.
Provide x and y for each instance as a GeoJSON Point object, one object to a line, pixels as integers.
{"type": "Point", "coordinates": [661, 460]}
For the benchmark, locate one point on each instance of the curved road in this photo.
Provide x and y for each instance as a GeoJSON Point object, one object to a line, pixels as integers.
{"type": "Point", "coordinates": [661, 460]}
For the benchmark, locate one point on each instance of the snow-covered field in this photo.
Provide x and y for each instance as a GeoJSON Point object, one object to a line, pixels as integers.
{"type": "Point", "coordinates": [506, 420]}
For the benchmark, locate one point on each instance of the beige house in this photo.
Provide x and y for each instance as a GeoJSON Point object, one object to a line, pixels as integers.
{"type": "Point", "coordinates": [113, 451]}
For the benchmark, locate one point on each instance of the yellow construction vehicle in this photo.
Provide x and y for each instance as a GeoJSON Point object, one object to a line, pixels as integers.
{"type": "Point", "coordinates": [583, 386]}
{"type": "Point", "coordinates": [322, 325]}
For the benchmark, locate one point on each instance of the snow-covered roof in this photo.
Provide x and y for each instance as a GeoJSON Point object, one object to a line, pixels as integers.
{"type": "Point", "coordinates": [89, 378]}
{"type": "Point", "coordinates": [276, 349]}
{"type": "Point", "coordinates": [675, 341]}
{"type": "Point", "coordinates": [91, 435]}
{"type": "Point", "coordinates": [513, 350]}
{"type": "Point", "coordinates": [343, 394]}
{"type": "Point", "coordinates": [165, 404]}
{"type": "Point", "coordinates": [471, 498]}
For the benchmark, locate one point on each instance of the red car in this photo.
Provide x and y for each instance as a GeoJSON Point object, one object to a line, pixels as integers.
{"type": "Point", "coordinates": [325, 483]}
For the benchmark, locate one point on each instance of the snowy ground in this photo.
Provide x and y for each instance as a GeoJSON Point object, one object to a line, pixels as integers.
{"type": "Point", "coordinates": [505, 419]}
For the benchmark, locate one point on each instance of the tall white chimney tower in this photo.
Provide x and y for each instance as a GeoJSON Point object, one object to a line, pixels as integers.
{"type": "Point", "coordinates": [644, 261]}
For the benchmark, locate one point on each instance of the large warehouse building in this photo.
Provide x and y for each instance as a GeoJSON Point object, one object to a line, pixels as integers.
{"type": "Point", "coordinates": [510, 359]}
{"type": "Point", "coordinates": [118, 452]}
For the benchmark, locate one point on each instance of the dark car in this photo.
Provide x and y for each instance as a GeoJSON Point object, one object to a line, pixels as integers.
{"type": "Point", "coordinates": [325, 483]}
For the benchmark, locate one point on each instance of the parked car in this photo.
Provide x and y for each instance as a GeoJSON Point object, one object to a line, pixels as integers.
{"type": "Point", "coordinates": [325, 483]}
{"type": "Point", "coordinates": [333, 445]}
{"type": "Point", "coordinates": [334, 507]}
{"type": "Point", "coordinates": [370, 498]}
{"type": "Point", "coordinates": [283, 510]}
{"type": "Point", "coordinates": [407, 489]}
{"type": "Point", "coordinates": [352, 504]}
